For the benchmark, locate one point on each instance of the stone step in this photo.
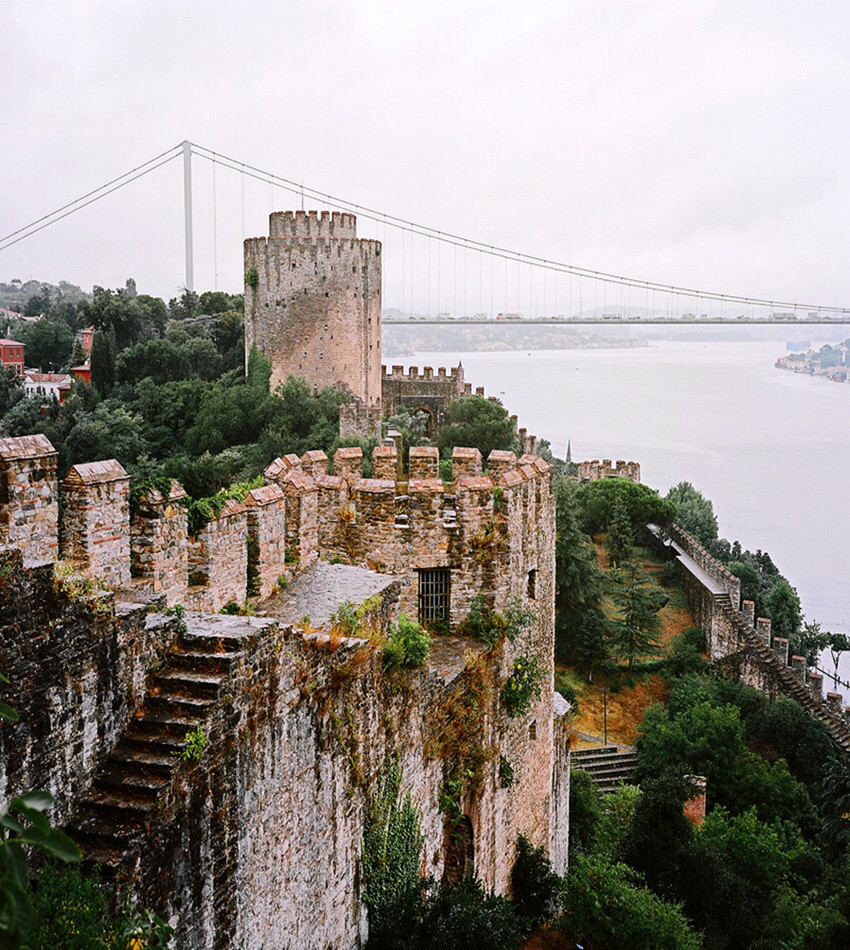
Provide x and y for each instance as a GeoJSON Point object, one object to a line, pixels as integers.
{"type": "Point", "coordinates": [189, 682]}
{"type": "Point", "coordinates": [135, 758]}
{"type": "Point", "coordinates": [203, 661]}
{"type": "Point", "coordinates": [124, 806]}
{"type": "Point", "coordinates": [144, 787]}
{"type": "Point", "coordinates": [189, 708]}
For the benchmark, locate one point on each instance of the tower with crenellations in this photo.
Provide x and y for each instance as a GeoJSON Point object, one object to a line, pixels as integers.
{"type": "Point", "coordinates": [313, 302]}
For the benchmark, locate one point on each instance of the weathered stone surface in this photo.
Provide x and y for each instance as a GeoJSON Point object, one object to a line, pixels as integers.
{"type": "Point", "coordinates": [315, 307]}
{"type": "Point", "coordinates": [29, 503]}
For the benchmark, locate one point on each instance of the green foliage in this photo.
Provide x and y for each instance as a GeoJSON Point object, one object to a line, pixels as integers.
{"type": "Point", "coordinates": [203, 510]}
{"type": "Point", "coordinates": [476, 422]}
{"type": "Point", "coordinates": [685, 653]}
{"type": "Point", "coordinates": [659, 832]}
{"type": "Point", "coordinates": [604, 906]}
{"type": "Point", "coordinates": [91, 593]}
{"type": "Point", "coordinates": [585, 813]}
{"type": "Point", "coordinates": [23, 822]}
{"type": "Point", "coordinates": [507, 777]}
{"type": "Point", "coordinates": [620, 538]}
{"type": "Point", "coordinates": [488, 625]}
{"type": "Point", "coordinates": [615, 821]}
{"type": "Point", "coordinates": [694, 512]}
{"type": "Point", "coordinates": [462, 916]}
{"type": "Point", "coordinates": [636, 625]}
{"type": "Point", "coordinates": [598, 499]}
{"type": "Point", "coordinates": [252, 278]}
{"type": "Point", "coordinates": [534, 885]}
{"type": "Point", "coordinates": [522, 686]}
{"type": "Point", "coordinates": [782, 605]}
{"type": "Point", "coordinates": [71, 912]}
{"type": "Point", "coordinates": [178, 611]}
{"type": "Point", "coordinates": [196, 741]}
{"type": "Point", "coordinates": [48, 344]}
{"type": "Point", "coordinates": [259, 371]}
{"type": "Point", "coordinates": [392, 849]}
{"type": "Point", "coordinates": [408, 645]}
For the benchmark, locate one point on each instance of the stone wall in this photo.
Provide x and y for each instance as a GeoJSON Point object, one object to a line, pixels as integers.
{"type": "Point", "coordinates": [742, 646]}
{"type": "Point", "coordinates": [29, 497]}
{"type": "Point", "coordinates": [96, 520]}
{"type": "Point", "coordinates": [432, 393]}
{"type": "Point", "coordinates": [314, 308]}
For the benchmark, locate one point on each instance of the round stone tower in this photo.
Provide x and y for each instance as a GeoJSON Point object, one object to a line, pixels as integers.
{"type": "Point", "coordinates": [313, 302]}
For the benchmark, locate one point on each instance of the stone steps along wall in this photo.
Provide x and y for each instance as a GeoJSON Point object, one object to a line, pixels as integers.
{"type": "Point", "coordinates": [746, 650]}
{"type": "Point", "coordinates": [76, 677]}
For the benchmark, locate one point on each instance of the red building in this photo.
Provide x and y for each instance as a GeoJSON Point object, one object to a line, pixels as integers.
{"type": "Point", "coordinates": [12, 355]}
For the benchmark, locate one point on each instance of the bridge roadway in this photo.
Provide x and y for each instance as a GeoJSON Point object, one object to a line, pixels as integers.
{"type": "Point", "coordinates": [629, 321]}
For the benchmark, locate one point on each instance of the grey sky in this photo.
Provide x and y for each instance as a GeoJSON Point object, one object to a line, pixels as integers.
{"type": "Point", "coordinates": [693, 143]}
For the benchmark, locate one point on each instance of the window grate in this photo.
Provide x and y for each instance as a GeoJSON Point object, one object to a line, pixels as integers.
{"type": "Point", "coordinates": [434, 595]}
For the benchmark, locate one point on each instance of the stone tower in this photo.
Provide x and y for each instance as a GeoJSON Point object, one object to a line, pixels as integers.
{"type": "Point", "coordinates": [313, 302]}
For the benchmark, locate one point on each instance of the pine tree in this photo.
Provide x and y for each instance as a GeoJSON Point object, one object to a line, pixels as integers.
{"type": "Point", "coordinates": [638, 601]}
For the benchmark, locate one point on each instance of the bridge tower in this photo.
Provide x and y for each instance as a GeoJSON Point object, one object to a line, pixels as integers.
{"type": "Point", "coordinates": [313, 302]}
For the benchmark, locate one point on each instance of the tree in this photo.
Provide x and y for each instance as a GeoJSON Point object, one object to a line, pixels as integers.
{"type": "Point", "coordinates": [838, 643]}
{"type": "Point", "coordinates": [694, 512]}
{"type": "Point", "coordinates": [103, 362]}
{"type": "Point", "coordinates": [605, 906]}
{"type": "Point", "coordinates": [644, 506]}
{"type": "Point", "coordinates": [783, 607]}
{"type": "Point", "coordinates": [581, 632]}
{"type": "Point", "coordinates": [48, 344]}
{"type": "Point", "coordinates": [478, 423]}
{"type": "Point", "coordinates": [809, 642]}
{"type": "Point", "coordinates": [637, 624]}
{"type": "Point", "coordinates": [619, 538]}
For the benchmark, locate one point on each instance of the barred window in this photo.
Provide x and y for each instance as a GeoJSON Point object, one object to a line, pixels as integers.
{"type": "Point", "coordinates": [434, 595]}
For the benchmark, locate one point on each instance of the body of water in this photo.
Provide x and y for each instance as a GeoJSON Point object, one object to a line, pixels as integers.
{"type": "Point", "coordinates": [770, 448]}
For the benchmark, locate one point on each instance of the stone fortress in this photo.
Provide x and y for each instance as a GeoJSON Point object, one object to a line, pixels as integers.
{"type": "Point", "coordinates": [256, 843]}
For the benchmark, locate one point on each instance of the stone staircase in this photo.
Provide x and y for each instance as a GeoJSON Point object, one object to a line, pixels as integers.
{"type": "Point", "coordinates": [608, 767]}
{"type": "Point", "coordinates": [137, 782]}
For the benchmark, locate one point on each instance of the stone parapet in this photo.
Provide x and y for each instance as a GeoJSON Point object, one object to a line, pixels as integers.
{"type": "Point", "coordinates": [266, 546]}
{"type": "Point", "coordinates": [96, 520]}
{"type": "Point", "coordinates": [348, 462]}
{"type": "Point", "coordinates": [385, 461]}
{"type": "Point", "coordinates": [29, 497]}
{"type": "Point", "coordinates": [424, 462]}
{"type": "Point", "coordinates": [593, 470]}
{"type": "Point", "coordinates": [465, 461]}
{"type": "Point", "coordinates": [159, 544]}
{"type": "Point", "coordinates": [218, 560]}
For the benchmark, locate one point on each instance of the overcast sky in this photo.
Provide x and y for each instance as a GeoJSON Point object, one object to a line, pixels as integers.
{"type": "Point", "coordinates": [702, 144]}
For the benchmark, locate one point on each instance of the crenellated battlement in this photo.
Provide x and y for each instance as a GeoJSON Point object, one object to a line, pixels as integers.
{"type": "Point", "coordinates": [594, 470]}
{"type": "Point", "coordinates": [312, 224]}
{"type": "Point", "coordinates": [397, 522]}
{"type": "Point", "coordinates": [454, 375]}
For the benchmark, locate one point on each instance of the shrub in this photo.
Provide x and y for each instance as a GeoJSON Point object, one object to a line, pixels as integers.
{"type": "Point", "coordinates": [522, 687]}
{"type": "Point", "coordinates": [534, 885]}
{"type": "Point", "coordinates": [408, 645]}
{"type": "Point", "coordinates": [458, 917]}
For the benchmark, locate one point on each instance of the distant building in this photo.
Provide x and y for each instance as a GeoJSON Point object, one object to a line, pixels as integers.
{"type": "Point", "coordinates": [48, 384]}
{"type": "Point", "coordinates": [86, 336]}
{"type": "Point", "coordinates": [12, 355]}
{"type": "Point", "coordinates": [82, 372]}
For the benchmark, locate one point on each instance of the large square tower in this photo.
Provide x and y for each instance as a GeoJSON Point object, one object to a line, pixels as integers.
{"type": "Point", "coordinates": [313, 302]}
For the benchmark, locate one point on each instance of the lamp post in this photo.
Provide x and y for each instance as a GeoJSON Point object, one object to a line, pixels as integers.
{"type": "Point", "coordinates": [605, 711]}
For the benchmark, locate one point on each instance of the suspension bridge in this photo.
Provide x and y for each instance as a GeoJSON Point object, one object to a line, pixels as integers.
{"type": "Point", "coordinates": [436, 277]}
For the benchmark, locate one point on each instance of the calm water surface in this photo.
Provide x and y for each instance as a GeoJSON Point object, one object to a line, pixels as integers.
{"type": "Point", "coordinates": [770, 448]}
